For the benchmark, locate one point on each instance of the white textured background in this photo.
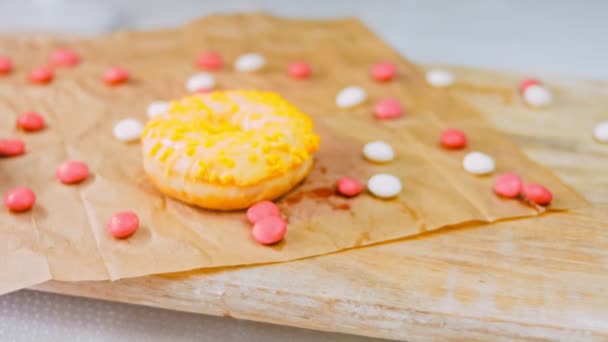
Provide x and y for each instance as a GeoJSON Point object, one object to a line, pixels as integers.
{"type": "Point", "coordinates": [544, 36]}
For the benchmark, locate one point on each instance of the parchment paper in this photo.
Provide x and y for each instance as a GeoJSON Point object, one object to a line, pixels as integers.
{"type": "Point", "coordinates": [65, 238]}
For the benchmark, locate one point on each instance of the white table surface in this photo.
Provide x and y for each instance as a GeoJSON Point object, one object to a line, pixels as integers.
{"type": "Point", "coordinates": [548, 36]}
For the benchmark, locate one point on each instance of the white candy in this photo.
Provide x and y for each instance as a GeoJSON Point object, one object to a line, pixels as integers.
{"type": "Point", "coordinates": [350, 96]}
{"type": "Point", "coordinates": [600, 132]}
{"type": "Point", "coordinates": [250, 62]}
{"type": "Point", "coordinates": [439, 78]}
{"type": "Point", "coordinates": [200, 81]}
{"type": "Point", "coordinates": [128, 130]}
{"type": "Point", "coordinates": [378, 151]}
{"type": "Point", "coordinates": [157, 108]}
{"type": "Point", "coordinates": [537, 96]}
{"type": "Point", "coordinates": [384, 185]}
{"type": "Point", "coordinates": [478, 163]}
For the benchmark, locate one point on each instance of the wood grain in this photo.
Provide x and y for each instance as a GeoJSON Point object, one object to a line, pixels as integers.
{"type": "Point", "coordinates": [544, 278]}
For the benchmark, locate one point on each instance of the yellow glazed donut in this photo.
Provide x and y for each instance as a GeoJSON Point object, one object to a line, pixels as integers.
{"type": "Point", "coordinates": [229, 150]}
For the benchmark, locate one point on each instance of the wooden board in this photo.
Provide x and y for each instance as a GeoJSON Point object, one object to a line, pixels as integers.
{"type": "Point", "coordinates": [542, 278]}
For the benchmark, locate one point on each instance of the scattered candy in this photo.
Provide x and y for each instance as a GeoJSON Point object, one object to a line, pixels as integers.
{"type": "Point", "coordinates": [600, 132]}
{"type": "Point", "coordinates": [6, 65]}
{"type": "Point", "coordinates": [210, 61]}
{"type": "Point", "coordinates": [72, 172]}
{"type": "Point", "coordinates": [527, 83]}
{"type": "Point", "coordinates": [350, 97]}
{"type": "Point", "coordinates": [299, 70]}
{"type": "Point", "coordinates": [378, 151]}
{"type": "Point", "coordinates": [30, 122]}
{"type": "Point", "coordinates": [11, 147]}
{"type": "Point", "coordinates": [20, 199]}
{"type": "Point", "coordinates": [200, 81]}
{"type": "Point", "coordinates": [388, 109]}
{"type": "Point", "coordinates": [41, 75]}
{"type": "Point", "coordinates": [478, 163]}
{"type": "Point", "coordinates": [116, 75]}
{"type": "Point", "coordinates": [269, 230]}
{"type": "Point", "coordinates": [249, 62]}
{"type": "Point", "coordinates": [508, 185]}
{"type": "Point", "coordinates": [537, 96]}
{"type": "Point", "coordinates": [383, 72]}
{"type": "Point", "coordinates": [262, 210]}
{"type": "Point", "coordinates": [537, 194]}
{"type": "Point", "coordinates": [128, 130]}
{"type": "Point", "coordinates": [439, 78]}
{"type": "Point", "coordinates": [64, 58]}
{"type": "Point", "coordinates": [349, 187]}
{"type": "Point", "coordinates": [384, 185]}
{"type": "Point", "coordinates": [453, 139]}
{"type": "Point", "coordinates": [157, 108]}
{"type": "Point", "coordinates": [123, 224]}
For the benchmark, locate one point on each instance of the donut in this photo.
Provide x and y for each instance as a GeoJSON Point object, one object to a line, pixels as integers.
{"type": "Point", "coordinates": [227, 150]}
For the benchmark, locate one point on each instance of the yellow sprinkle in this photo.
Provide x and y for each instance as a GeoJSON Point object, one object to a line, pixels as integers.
{"type": "Point", "coordinates": [155, 149]}
{"type": "Point", "coordinates": [252, 157]}
{"type": "Point", "coordinates": [226, 179]}
{"type": "Point", "coordinates": [266, 148]}
{"type": "Point", "coordinates": [166, 154]}
{"type": "Point", "coordinates": [227, 162]}
{"type": "Point", "coordinates": [272, 159]}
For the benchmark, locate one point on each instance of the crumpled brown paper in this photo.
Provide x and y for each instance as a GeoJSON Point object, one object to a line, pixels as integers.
{"type": "Point", "coordinates": [65, 237]}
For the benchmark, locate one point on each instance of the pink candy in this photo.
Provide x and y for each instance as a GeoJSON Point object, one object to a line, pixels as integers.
{"type": "Point", "coordinates": [508, 185]}
{"type": "Point", "coordinates": [30, 122]}
{"type": "Point", "coordinates": [210, 61]}
{"type": "Point", "coordinates": [64, 58]}
{"type": "Point", "coordinates": [388, 109]}
{"type": "Point", "coordinates": [71, 172]}
{"type": "Point", "coordinates": [453, 139]}
{"type": "Point", "coordinates": [41, 75]}
{"type": "Point", "coordinates": [383, 72]}
{"type": "Point", "coordinates": [299, 70]}
{"type": "Point", "coordinates": [262, 210]}
{"type": "Point", "coordinates": [6, 65]}
{"type": "Point", "coordinates": [527, 83]}
{"type": "Point", "coordinates": [20, 199]}
{"type": "Point", "coordinates": [11, 147]}
{"type": "Point", "coordinates": [349, 187]}
{"type": "Point", "coordinates": [116, 75]}
{"type": "Point", "coordinates": [269, 230]}
{"type": "Point", "coordinates": [537, 194]}
{"type": "Point", "coordinates": [123, 224]}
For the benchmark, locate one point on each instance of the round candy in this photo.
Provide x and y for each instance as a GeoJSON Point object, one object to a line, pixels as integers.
{"type": "Point", "coordinates": [157, 108]}
{"type": "Point", "coordinates": [64, 58]}
{"type": "Point", "coordinates": [30, 122]}
{"type": "Point", "coordinates": [453, 139]}
{"type": "Point", "coordinates": [115, 75]}
{"type": "Point", "coordinates": [600, 132]}
{"type": "Point", "coordinates": [20, 199]}
{"type": "Point", "coordinates": [527, 83]}
{"type": "Point", "coordinates": [537, 194]}
{"type": "Point", "coordinates": [41, 75]}
{"type": "Point", "coordinates": [200, 81]}
{"type": "Point", "coordinates": [262, 210]}
{"type": "Point", "coordinates": [378, 151]}
{"type": "Point", "coordinates": [538, 96]}
{"type": "Point", "coordinates": [350, 97]}
{"type": "Point", "coordinates": [388, 109]}
{"type": "Point", "coordinates": [128, 130]}
{"type": "Point", "coordinates": [11, 147]}
{"type": "Point", "coordinates": [383, 71]}
{"type": "Point", "coordinates": [123, 224]}
{"type": "Point", "coordinates": [299, 70]}
{"type": "Point", "coordinates": [72, 172]}
{"type": "Point", "coordinates": [439, 78]}
{"type": "Point", "coordinates": [478, 163]}
{"type": "Point", "coordinates": [384, 185]}
{"type": "Point", "coordinates": [269, 230]}
{"type": "Point", "coordinates": [508, 185]}
{"type": "Point", "coordinates": [249, 62]}
{"type": "Point", "coordinates": [6, 65]}
{"type": "Point", "coordinates": [349, 187]}
{"type": "Point", "coordinates": [210, 61]}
